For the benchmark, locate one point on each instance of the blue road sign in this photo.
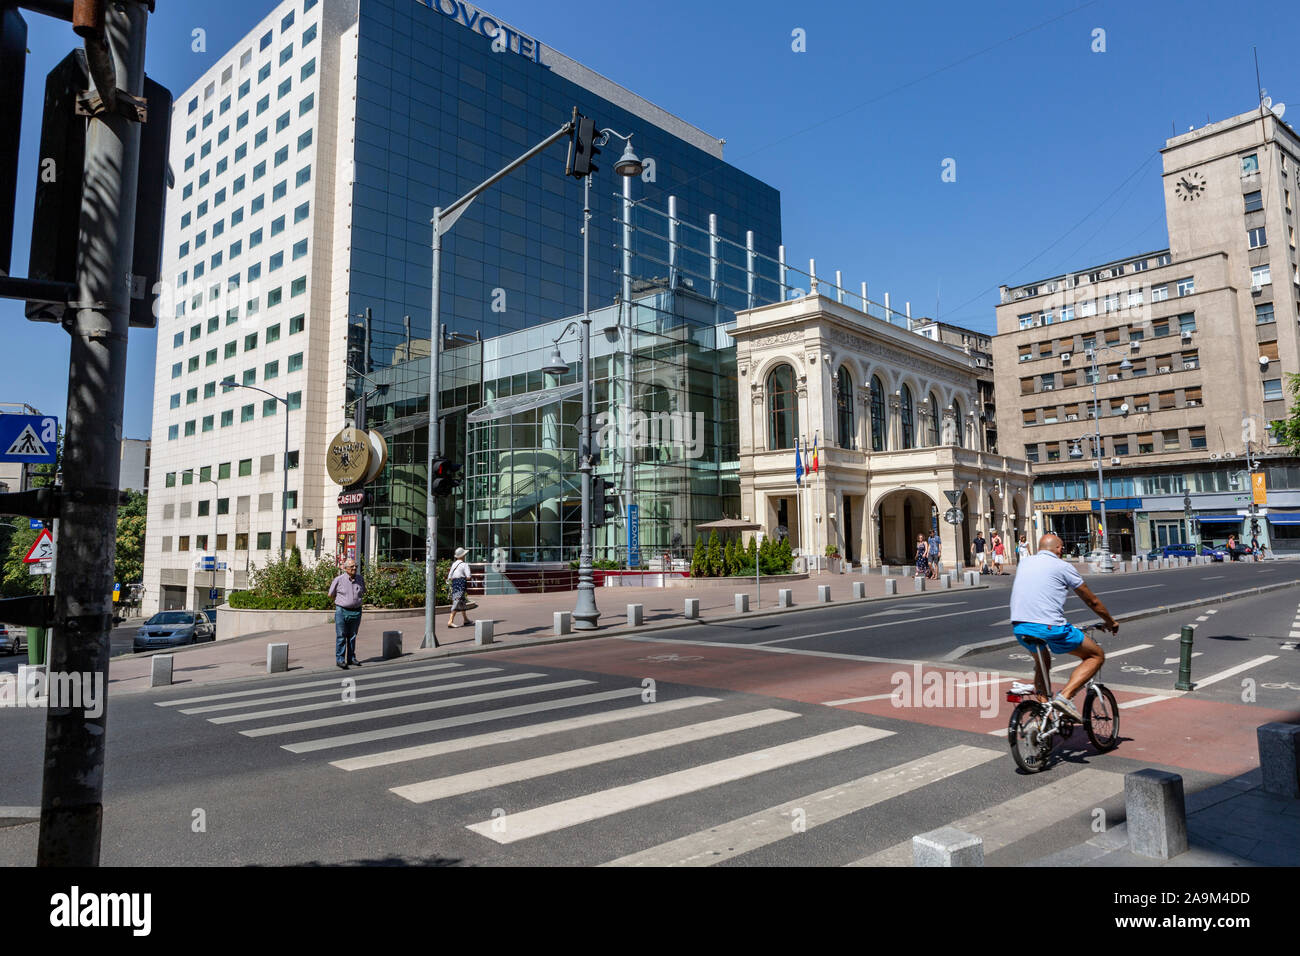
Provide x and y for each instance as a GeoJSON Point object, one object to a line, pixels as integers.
{"type": "Point", "coordinates": [30, 439]}
{"type": "Point", "coordinates": [633, 537]}
{"type": "Point", "coordinates": [36, 524]}
{"type": "Point", "coordinates": [212, 594]}
{"type": "Point", "coordinates": [209, 563]}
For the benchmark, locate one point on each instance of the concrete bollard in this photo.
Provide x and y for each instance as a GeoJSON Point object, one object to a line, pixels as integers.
{"type": "Point", "coordinates": [160, 670]}
{"type": "Point", "coordinates": [1156, 812]}
{"type": "Point", "coordinates": [918, 584]}
{"type": "Point", "coordinates": [859, 590]}
{"type": "Point", "coordinates": [784, 598]}
{"type": "Point", "coordinates": [891, 587]}
{"type": "Point", "coordinates": [692, 609]}
{"type": "Point", "coordinates": [884, 570]}
{"type": "Point", "coordinates": [945, 582]}
{"type": "Point", "coordinates": [824, 593]}
{"type": "Point", "coordinates": [562, 622]}
{"type": "Point", "coordinates": [391, 645]}
{"type": "Point", "coordinates": [742, 603]}
{"type": "Point", "coordinates": [635, 615]}
{"type": "Point", "coordinates": [483, 631]}
{"type": "Point", "coordinates": [947, 846]}
{"type": "Point", "coordinates": [1279, 758]}
{"type": "Point", "coordinates": [277, 658]}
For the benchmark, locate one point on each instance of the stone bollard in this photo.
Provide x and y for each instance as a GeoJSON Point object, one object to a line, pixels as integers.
{"type": "Point", "coordinates": [884, 570]}
{"type": "Point", "coordinates": [918, 584]}
{"type": "Point", "coordinates": [859, 590]}
{"type": "Point", "coordinates": [742, 603]}
{"type": "Point", "coordinates": [947, 846]}
{"type": "Point", "coordinates": [1156, 812]}
{"type": "Point", "coordinates": [391, 645]}
{"type": "Point", "coordinates": [1279, 758]}
{"type": "Point", "coordinates": [160, 670]}
{"type": "Point", "coordinates": [891, 587]}
{"type": "Point", "coordinates": [635, 615]}
{"type": "Point", "coordinates": [277, 658]}
{"type": "Point", "coordinates": [692, 609]}
{"type": "Point", "coordinates": [784, 598]}
{"type": "Point", "coordinates": [483, 631]}
{"type": "Point", "coordinates": [562, 622]}
{"type": "Point", "coordinates": [972, 578]}
{"type": "Point", "coordinates": [824, 593]}
{"type": "Point", "coordinates": [945, 582]}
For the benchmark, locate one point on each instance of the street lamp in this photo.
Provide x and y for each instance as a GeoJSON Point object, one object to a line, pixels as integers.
{"type": "Point", "coordinates": [212, 586]}
{"type": "Point", "coordinates": [230, 383]}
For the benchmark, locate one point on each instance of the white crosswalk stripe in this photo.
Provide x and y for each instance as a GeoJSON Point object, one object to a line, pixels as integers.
{"type": "Point", "coordinates": [300, 685]}
{"type": "Point", "coordinates": [776, 823]}
{"type": "Point", "coordinates": [363, 691]}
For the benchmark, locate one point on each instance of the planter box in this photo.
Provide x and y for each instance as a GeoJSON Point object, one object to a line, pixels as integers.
{"type": "Point", "coordinates": [237, 622]}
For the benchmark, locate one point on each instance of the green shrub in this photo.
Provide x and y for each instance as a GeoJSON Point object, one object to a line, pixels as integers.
{"type": "Point", "coordinates": [309, 601]}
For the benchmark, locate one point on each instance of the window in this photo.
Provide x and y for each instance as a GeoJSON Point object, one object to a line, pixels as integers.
{"type": "Point", "coordinates": [1254, 201]}
{"type": "Point", "coordinates": [294, 400]}
{"type": "Point", "coordinates": [302, 212]}
{"type": "Point", "coordinates": [1160, 329]}
{"type": "Point", "coordinates": [183, 543]}
{"type": "Point", "coordinates": [304, 107]}
{"type": "Point", "coordinates": [176, 370]}
{"type": "Point", "coordinates": [1264, 313]}
{"type": "Point", "coordinates": [269, 407]}
{"type": "Point", "coordinates": [308, 69]}
{"type": "Point", "coordinates": [290, 500]}
{"type": "Point", "coordinates": [236, 248]}
{"type": "Point", "coordinates": [280, 190]}
{"type": "Point", "coordinates": [298, 286]}
{"type": "Point", "coordinates": [1031, 453]}
{"type": "Point", "coordinates": [1249, 165]}
{"type": "Point", "coordinates": [275, 262]}
{"type": "Point", "coordinates": [178, 340]}
{"type": "Point", "coordinates": [214, 323]}
{"type": "Point", "coordinates": [309, 34]}
{"type": "Point", "coordinates": [1186, 286]}
{"type": "Point", "coordinates": [238, 187]}
{"type": "Point", "coordinates": [189, 164]}
{"type": "Point", "coordinates": [264, 73]}
{"type": "Point", "coordinates": [210, 358]}
{"type": "Point", "coordinates": [1187, 322]}
{"type": "Point", "coordinates": [1146, 444]}
{"type": "Point", "coordinates": [1159, 293]}
{"type": "Point", "coordinates": [277, 225]}
{"type": "Point", "coordinates": [246, 414]}
{"type": "Point", "coordinates": [299, 249]}
{"type": "Point", "coordinates": [227, 418]}
{"type": "Point", "coordinates": [271, 370]}
{"type": "Point", "coordinates": [175, 401]}
{"type": "Point", "coordinates": [273, 333]}
{"type": "Point", "coordinates": [304, 176]}
{"type": "Point", "coordinates": [1272, 389]}
{"type": "Point", "coordinates": [274, 297]}
{"type": "Point", "coordinates": [237, 216]}
{"type": "Point", "coordinates": [208, 422]}
{"type": "Point", "coordinates": [263, 541]}
{"type": "Point", "coordinates": [1047, 382]}
{"type": "Point", "coordinates": [1170, 440]}
{"type": "Point", "coordinates": [190, 427]}
{"type": "Point", "coordinates": [295, 362]}
{"type": "Point", "coordinates": [283, 89]}
{"type": "Point", "coordinates": [1120, 446]}
{"type": "Point", "coordinates": [297, 324]}
{"type": "Point", "coordinates": [193, 364]}
{"type": "Point", "coordinates": [906, 417]}
{"type": "Point", "coordinates": [245, 88]}
{"type": "Point", "coordinates": [245, 467]}
{"type": "Point", "coordinates": [173, 432]}
{"type": "Point", "coordinates": [1268, 350]}
{"type": "Point", "coordinates": [1257, 237]}
{"type": "Point", "coordinates": [1196, 437]}
{"type": "Point", "coordinates": [261, 137]}
{"type": "Point", "coordinates": [231, 348]}
{"type": "Point", "coordinates": [259, 170]}
{"type": "Point", "coordinates": [304, 141]}
{"type": "Point", "coordinates": [268, 466]}
{"type": "Point", "coordinates": [782, 410]}
{"type": "Point", "coordinates": [250, 376]}
{"type": "Point", "coordinates": [282, 124]}
{"type": "Point", "coordinates": [286, 54]}
{"type": "Point", "coordinates": [1261, 275]}
{"type": "Point", "coordinates": [255, 238]}
{"type": "Point", "coordinates": [256, 205]}
{"type": "Point", "coordinates": [265, 42]}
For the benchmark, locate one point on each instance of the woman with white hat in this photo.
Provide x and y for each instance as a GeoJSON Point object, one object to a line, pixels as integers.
{"type": "Point", "coordinates": [458, 578]}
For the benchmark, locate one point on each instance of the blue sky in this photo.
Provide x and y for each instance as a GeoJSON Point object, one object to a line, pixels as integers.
{"type": "Point", "coordinates": [1055, 145]}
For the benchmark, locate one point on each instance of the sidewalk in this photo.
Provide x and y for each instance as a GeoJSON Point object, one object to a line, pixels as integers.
{"type": "Point", "coordinates": [518, 618]}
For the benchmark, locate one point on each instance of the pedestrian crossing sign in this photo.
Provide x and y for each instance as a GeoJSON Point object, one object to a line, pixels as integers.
{"type": "Point", "coordinates": [29, 439]}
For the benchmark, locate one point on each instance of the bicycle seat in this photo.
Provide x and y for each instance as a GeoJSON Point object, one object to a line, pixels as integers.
{"type": "Point", "coordinates": [1033, 640]}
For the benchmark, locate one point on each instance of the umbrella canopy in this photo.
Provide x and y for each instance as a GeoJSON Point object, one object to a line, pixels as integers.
{"type": "Point", "coordinates": [729, 524]}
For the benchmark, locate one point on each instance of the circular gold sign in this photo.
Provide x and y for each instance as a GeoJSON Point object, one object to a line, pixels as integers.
{"type": "Point", "coordinates": [348, 458]}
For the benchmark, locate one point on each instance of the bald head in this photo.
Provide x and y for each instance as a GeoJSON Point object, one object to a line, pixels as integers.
{"type": "Point", "coordinates": [1050, 542]}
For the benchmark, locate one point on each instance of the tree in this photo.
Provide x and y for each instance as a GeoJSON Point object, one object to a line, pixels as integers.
{"type": "Point", "coordinates": [698, 558]}
{"type": "Point", "coordinates": [715, 555]}
{"type": "Point", "coordinates": [1287, 430]}
{"type": "Point", "coordinates": [17, 582]}
{"type": "Point", "coordinates": [128, 563]}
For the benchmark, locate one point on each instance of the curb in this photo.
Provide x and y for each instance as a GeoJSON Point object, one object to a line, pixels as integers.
{"type": "Point", "coordinates": [999, 643]}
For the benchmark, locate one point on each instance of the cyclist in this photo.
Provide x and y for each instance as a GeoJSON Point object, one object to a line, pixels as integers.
{"type": "Point", "coordinates": [1043, 582]}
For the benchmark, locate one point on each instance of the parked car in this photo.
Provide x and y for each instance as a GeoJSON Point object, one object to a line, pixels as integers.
{"type": "Point", "coordinates": [13, 639]}
{"type": "Point", "coordinates": [1216, 552]}
{"type": "Point", "coordinates": [173, 628]}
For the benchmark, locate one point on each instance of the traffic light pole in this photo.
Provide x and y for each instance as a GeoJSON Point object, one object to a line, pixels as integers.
{"type": "Point", "coordinates": [98, 319]}
{"type": "Point", "coordinates": [585, 612]}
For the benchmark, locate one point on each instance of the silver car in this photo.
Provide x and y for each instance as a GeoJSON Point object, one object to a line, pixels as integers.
{"type": "Point", "coordinates": [173, 628]}
{"type": "Point", "coordinates": [13, 639]}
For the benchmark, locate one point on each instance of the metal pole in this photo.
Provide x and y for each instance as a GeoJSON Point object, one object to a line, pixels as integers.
{"type": "Point", "coordinates": [284, 492]}
{"type": "Point", "coordinates": [629, 467]}
{"type": "Point", "coordinates": [1106, 564]}
{"type": "Point", "coordinates": [585, 613]}
{"type": "Point", "coordinates": [431, 514]}
{"type": "Point", "coordinates": [73, 785]}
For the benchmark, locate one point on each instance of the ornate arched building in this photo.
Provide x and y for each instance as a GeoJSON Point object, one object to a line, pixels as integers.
{"type": "Point", "coordinates": [898, 431]}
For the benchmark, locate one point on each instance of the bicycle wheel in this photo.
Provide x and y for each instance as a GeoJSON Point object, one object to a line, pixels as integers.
{"type": "Point", "coordinates": [1101, 719]}
{"type": "Point", "coordinates": [1027, 747]}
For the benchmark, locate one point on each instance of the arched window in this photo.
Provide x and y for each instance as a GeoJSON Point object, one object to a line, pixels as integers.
{"type": "Point", "coordinates": [782, 412]}
{"type": "Point", "coordinates": [844, 407]}
{"type": "Point", "coordinates": [907, 417]}
{"type": "Point", "coordinates": [932, 429]}
{"type": "Point", "coordinates": [958, 425]}
{"type": "Point", "coordinates": [877, 414]}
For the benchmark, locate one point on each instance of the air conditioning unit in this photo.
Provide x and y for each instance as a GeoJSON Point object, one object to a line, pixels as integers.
{"type": "Point", "coordinates": [1114, 461]}
{"type": "Point", "coordinates": [1256, 289]}
{"type": "Point", "coordinates": [1065, 357]}
{"type": "Point", "coordinates": [1188, 365]}
{"type": "Point", "coordinates": [1071, 418]}
{"type": "Point", "coordinates": [1048, 388]}
{"type": "Point", "coordinates": [1134, 346]}
{"type": "Point", "coordinates": [1187, 335]}
{"type": "Point", "coordinates": [1192, 403]}
{"type": "Point", "coordinates": [1112, 378]}
{"type": "Point", "coordinates": [1089, 353]}
{"type": "Point", "coordinates": [1214, 456]}
{"type": "Point", "coordinates": [1163, 368]}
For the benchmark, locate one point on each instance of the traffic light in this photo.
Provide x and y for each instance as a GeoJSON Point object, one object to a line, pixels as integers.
{"type": "Point", "coordinates": [13, 63]}
{"type": "Point", "coordinates": [582, 147]}
{"type": "Point", "coordinates": [445, 477]}
{"type": "Point", "coordinates": [1254, 526]}
{"type": "Point", "coordinates": [603, 506]}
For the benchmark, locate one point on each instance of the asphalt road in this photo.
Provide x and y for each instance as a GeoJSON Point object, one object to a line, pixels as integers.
{"type": "Point", "coordinates": [728, 754]}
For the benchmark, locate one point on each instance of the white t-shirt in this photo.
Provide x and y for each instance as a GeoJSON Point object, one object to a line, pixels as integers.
{"type": "Point", "coordinates": [459, 569]}
{"type": "Point", "coordinates": [1043, 582]}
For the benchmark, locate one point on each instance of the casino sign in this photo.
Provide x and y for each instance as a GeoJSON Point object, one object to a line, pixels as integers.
{"type": "Point", "coordinates": [355, 457]}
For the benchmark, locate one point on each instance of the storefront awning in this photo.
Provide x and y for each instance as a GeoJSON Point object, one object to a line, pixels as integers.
{"type": "Point", "coordinates": [1219, 519]}
{"type": "Point", "coordinates": [515, 404]}
{"type": "Point", "coordinates": [1285, 517]}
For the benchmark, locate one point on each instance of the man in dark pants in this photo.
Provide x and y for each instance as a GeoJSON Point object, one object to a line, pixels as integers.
{"type": "Point", "coordinates": [977, 548]}
{"type": "Point", "coordinates": [347, 590]}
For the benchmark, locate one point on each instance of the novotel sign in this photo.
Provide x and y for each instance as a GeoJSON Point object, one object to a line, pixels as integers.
{"type": "Point", "coordinates": [503, 38]}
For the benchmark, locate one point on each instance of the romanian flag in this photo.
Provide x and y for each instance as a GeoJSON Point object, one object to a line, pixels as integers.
{"type": "Point", "coordinates": [798, 464]}
{"type": "Point", "coordinates": [813, 466]}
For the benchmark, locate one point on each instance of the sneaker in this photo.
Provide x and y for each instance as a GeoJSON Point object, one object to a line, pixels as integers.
{"type": "Point", "coordinates": [1065, 706]}
{"type": "Point", "coordinates": [1018, 688]}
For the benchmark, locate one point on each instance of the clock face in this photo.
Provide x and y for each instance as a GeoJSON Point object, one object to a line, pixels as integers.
{"type": "Point", "coordinates": [1189, 186]}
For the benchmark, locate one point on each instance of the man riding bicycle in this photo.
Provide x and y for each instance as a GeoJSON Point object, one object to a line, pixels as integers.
{"type": "Point", "coordinates": [1043, 582]}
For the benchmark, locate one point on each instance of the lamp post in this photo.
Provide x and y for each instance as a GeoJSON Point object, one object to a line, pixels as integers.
{"type": "Point", "coordinates": [1076, 452]}
{"type": "Point", "coordinates": [212, 586]}
{"type": "Point", "coordinates": [585, 612]}
{"type": "Point", "coordinates": [230, 383]}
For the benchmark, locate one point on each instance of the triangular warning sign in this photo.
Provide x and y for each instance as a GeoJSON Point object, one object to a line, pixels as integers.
{"type": "Point", "coordinates": [42, 548]}
{"type": "Point", "coordinates": [953, 496]}
{"type": "Point", "coordinates": [27, 443]}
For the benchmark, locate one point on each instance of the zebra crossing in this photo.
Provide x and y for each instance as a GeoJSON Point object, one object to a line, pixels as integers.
{"type": "Point", "coordinates": [512, 757]}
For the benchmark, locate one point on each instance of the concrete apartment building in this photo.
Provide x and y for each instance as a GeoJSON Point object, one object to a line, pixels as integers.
{"type": "Point", "coordinates": [1192, 347]}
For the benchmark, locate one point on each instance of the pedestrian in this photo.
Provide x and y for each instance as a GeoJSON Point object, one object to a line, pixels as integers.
{"type": "Point", "coordinates": [1022, 549]}
{"type": "Point", "coordinates": [1254, 547]}
{"type": "Point", "coordinates": [1232, 547]}
{"type": "Point", "coordinates": [934, 554]}
{"type": "Point", "coordinates": [922, 557]}
{"type": "Point", "coordinates": [347, 590]}
{"type": "Point", "coordinates": [978, 549]}
{"type": "Point", "coordinates": [458, 577]}
{"type": "Point", "coordinates": [999, 553]}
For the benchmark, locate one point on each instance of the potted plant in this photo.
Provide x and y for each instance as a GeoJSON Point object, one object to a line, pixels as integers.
{"type": "Point", "coordinates": [833, 556]}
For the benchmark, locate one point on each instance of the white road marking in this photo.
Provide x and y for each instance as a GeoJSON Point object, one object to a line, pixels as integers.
{"type": "Point", "coordinates": [330, 682]}
{"type": "Point", "coordinates": [1212, 610]}
{"type": "Point", "coordinates": [1213, 577]}
{"type": "Point", "coordinates": [856, 700]}
{"type": "Point", "coordinates": [594, 806]}
{"type": "Point", "coordinates": [369, 698]}
{"type": "Point", "coordinates": [1172, 637]}
{"type": "Point", "coordinates": [481, 717]}
{"type": "Point", "coordinates": [411, 708]}
{"type": "Point", "coordinates": [440, 788]}
{"type": "Point", "coordinates": [1294, 634]}
{"type": "Point", "coordinates": [1175, 660]}
{"type": "Point", "coordinates": [1074, 662]}
{"type": "Point", "coordinates": [846, 630]}
{"type": "Point", "coordinates": [362, 691]}
{"type": "Point", "coordinates": [515, 734]}
{"type": "Point", "coordinates": [1203, 617]}
{"type": "Point", "coordinates": [1005, 823]}
{"type": "Point", "coordinates": [765, 827]}
{"type": "Point", "coordinates": [1215, 678]}
{"type": "Point", "coordinates": [1143, 701]}
{"type": "Point", "coordinates": [1291, 645]}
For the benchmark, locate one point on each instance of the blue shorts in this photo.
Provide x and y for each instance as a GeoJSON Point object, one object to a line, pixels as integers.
{"type": "Point", "coordinates": [1060, 639]}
